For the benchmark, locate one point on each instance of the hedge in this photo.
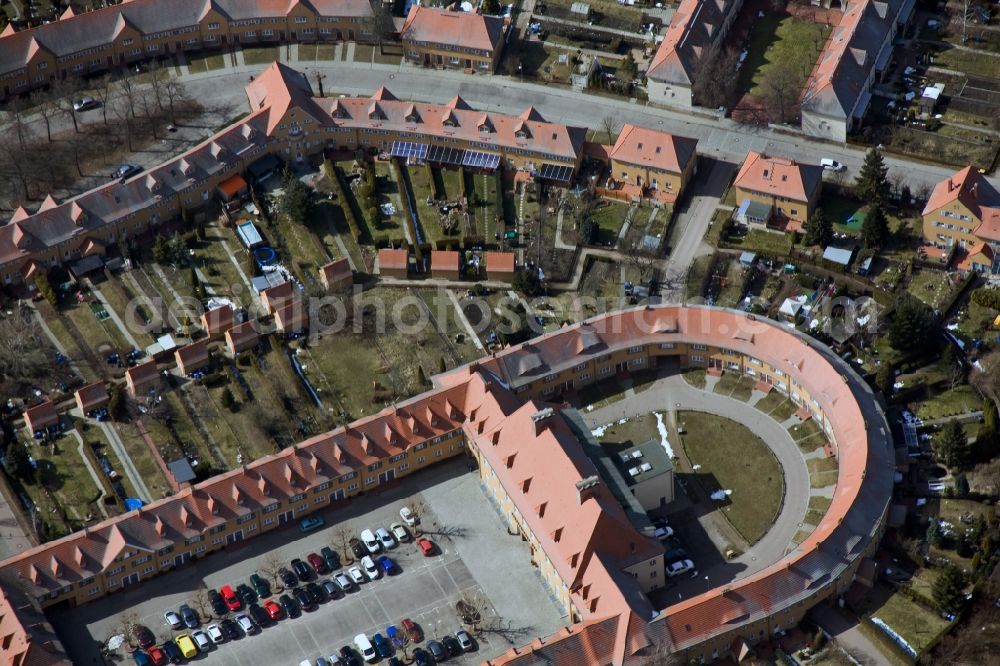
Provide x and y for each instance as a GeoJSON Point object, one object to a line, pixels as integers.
{"type": "Point", "coordinates": [352, 215]}
{"type": "Point", "coordinates": [987, 298]}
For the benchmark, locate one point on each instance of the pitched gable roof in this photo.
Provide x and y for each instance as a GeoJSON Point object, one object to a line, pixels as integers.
{"type": "Point", "coordinates": [652, 148]}
{"type": "Point", "coordinates": [778, 176]}
{"type": "Point", "coordinates": [458, 29]}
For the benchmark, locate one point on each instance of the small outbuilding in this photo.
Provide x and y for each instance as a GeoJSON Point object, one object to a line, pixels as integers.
{"type": "Point", "coordinates": [445, 264]}
{"type": "Point", "coordinates": [141, 378]}
{"type": "Point", "coordinates": [393, 263]}
{"type": "Point", "coordinates": [293, 317]}
{"type": "Point", "coordinates": [841, 256]}
{"type": "Point", "coordinates": [193, 357]}
{"type": "Point", "coordinates": [41, 417]}
{"type": "Point", "coordinates": [275, 297]}
{"type": "Point", "coordinates": [337, 274]}
{"type": "Point", "coordinates": [242, 337]}
{"type": "Point", "coordinates": [92, 396]}
{"type": "Point", "coordinates": [500, 266]}
{"type": "Point", "coordinates": [232, 192]}
{"type": "Point", "coordinates": [217, 320]}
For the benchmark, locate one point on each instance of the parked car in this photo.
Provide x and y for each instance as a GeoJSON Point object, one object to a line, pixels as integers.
{"type": "Point", "coordinates": [421, 657]}
{"type": "Point", "coordinates": [465, 640]}
{"type": "Point", "coordinates": [382, 646]}
{"type": "Point", "coordinates": [371, 569]}
{"type": "Point", "coordinates": [141, 658]}
{"type": "Point", "coordinates": [437, 650]}
{"type": "Point", "coordinates": [291, 607]}
{"type": "Point", "coordinates": [305, 599]}
{"type": "Point", "coordinates": [663, 533]}
{"type": "Point", "coordinates": [675, 555]}
{"type": "Point", "coordinates": [215, 633]}
{"type": "Point", "coordinates": [394, 635]}
{"type": "Point", "coordinates": [186, 646]}
{"type": "Point", "coordinates": [301, 570]}
{"type": "Point", "coordinates": [349, 656]}
{"type": "Point", "coordinates": [311, 523]}
{"type": "Point", "coordinates": [260, 616]}
{"type": "Point", "coordinates": [452, 646]}
{"type": "Point", "coordinates": [384, 538]}
{"type": "Point", "coordinates": [317, 563]}
{"type": "Point", "coordinates": [371, 542]}
{"type": "Point", "coordinates": [412, 630]}
{"type": "Point", "coordinates": [273, 610]}
{"type": "Point", "coordinates": [399, 532]}
{"type": "Point", "coordinates": [233, 602]}
{"type": "Point", "coordinates": [157, 655]}
{"type": "Point", "coordinates": [231, 629]}
{"type": "Point", "coordinates": [677, 568]}
{"type": "Point", "coordinates": [126, 171]}
{"type": "Point", "coordinates": [217, 603]}
{"type": "Point", "coordinates": [356, 575]}
{"type": "Point", "coordinates": [191, 620]}
{"type": "Point", "coordinates": [387, 565]}
{"type": "Point", "coordinates": [357, 547]}
{"type": "Point", "coordinates": [202, 640]}
{"type": "Point", "coordinates": [366, 648]}
{"type": "Point", "coordinates": [316, 592]}
{"type": "Point", "coordinates": [343, 582]}
{"type": "Point", "coordinates": [426, 546]}
{"type": "Point", "coordinates": [85, 104]}
{"type": "Point", "coordinates": [831, 165]}
{"type": "Point", "coordinates": [143, 636]}
{"type": "Point", "coordinates": [173, 619]}
{"type": "Point", "coordinates": [260, 586]}
{"type": "Point", "coordinates": [246, 624]}
{"type": "Point", "coordinates": [288, 579]}
{"type": "Point", "coordinates": [246, 594]}
{"type": "Point", "coordinates": [330, 557]}
{"type": "Point", "coordinates": [408, 516]}
{"type": "Point", "coordinates": [173, 652]}
{"type": "Point", "coordinates": [333, 591]}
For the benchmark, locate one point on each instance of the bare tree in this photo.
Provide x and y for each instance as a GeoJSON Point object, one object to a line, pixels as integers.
{"type": "Point", "coordinates": [611, 126]}
{"type": "Point", "coordinates": [471, 608]}
{"type": "Point", "coordinates": [126, 625]}
{"type": "Point", "coordinates": [780, 88]}
{"type": "Point", "coordinates": [121, 109]}
{"type": "Point", "coordinates": [63, 93]}
{"type": "Point", "coordinates": [173, 90]}
{"type": "Point", "coordinates": [16, 166]}
{"type": "Point", "coordinates": [128, 91]}
{"type": "Point", "coordinates": [342, 538]}
{"type": "Point", "coordinates": [715, 77]}
{"type": "Point", "coordinates": [418, 508]}
{"type": "Point", "coordinates": [158, 76]}
{"type": "Point", "coordinates": [270, 566]}
{"type": "Point", "coordinates": [15, 116]}
{"type": "Point", "coordinates": [22, 345]}
{"type": "Point", "coordinates": [201, 602]}
{"type": "Point", "coordinates": [105, 92]}
{"type": "Point", "coordinates": [48, 109]}
{"type": "Point", "coordinates": [644, 259]}
{"type": "Point", "coordinates": [150, 115]}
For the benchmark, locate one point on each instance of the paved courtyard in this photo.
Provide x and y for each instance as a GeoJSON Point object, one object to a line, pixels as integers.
{"type": "Point", "coordinates": [476, 556]}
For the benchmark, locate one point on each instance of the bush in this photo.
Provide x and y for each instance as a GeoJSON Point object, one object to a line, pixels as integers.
{"type": "Point", "coordinates": [987, 298]}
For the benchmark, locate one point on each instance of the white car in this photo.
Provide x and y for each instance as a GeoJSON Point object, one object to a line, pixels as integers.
{"type": "Point", "coordinates": [408, 517]}
{"type": "Point", "coordinates": [246, 624]}
{"type": "Point", "coordinates": [385, 538]}
{"type": "Point", "coordinates": [173, 619]}
{"type": "Point", "coordinates": [356, 575]}
{"type": "Point", "coordinates": [371, 541]}
{"type": "Point", "coordinates": [366, 648]}
{"type": "Point", "coordinates": [677, 568]}
{"type": "Point", "coordinates": [201, 640]}
{"type": "Point", "coordinates": [370, 567]}
{"type": "Point", "coordinates": [663, 532]}
{"type": "Point", "coordinates": [831, 165]}
{"type": "Point", "coordinates": [399, 532]}
{"type": "Point", "coordinates": [343, 582]}
{"type": "Point", "coordinates": [215, 633]}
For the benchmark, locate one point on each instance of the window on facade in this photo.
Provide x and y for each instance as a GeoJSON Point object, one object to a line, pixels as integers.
{"type": "Point", "coordinates": [213, 26]}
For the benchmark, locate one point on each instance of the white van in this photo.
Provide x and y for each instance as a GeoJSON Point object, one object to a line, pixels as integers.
{"type": "Point", "coordinates": [366, 648]}
{"type": "Point", "coordinates": [831, 165]}
{"type": "Point", "coordinates": [370, 541]}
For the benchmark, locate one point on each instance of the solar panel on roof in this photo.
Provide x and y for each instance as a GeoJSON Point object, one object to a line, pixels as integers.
{"type": "Point", "coordinates": [445, 155]}
{"type": "Point", "coordinates": [408, 150]}
{"type": "Point", "coordinates": [480, 160]}
{"type": "Point", "coordinates": [557, 172]}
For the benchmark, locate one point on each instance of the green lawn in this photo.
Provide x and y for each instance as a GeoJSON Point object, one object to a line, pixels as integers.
{"type": "Point", "coordinates": [917, 625]}
{"type": "Point", "coordinates": [206, 63]}
{"type": "Point", "coordinates": [609, 216]}
{"type": "Point", "coordinates": [818, 506]}
{"type": "Point", "coordinates": [975, 64]}
{"type": "Point", "coordinates": [930, 286]}
{"type": "Point", "coordinates": [260, 56]}
{"type": "Point", "coordinates": [776, 39]}
{"type": "Point", "coordinates": [822, 472]}
{"type": "Point", "coordinates": [846, 214]}
{"type": "Point", "coordinates": [774, 405]}
{"type": "Point", "coordinates": [695, 377]}
{"type": "Point", "coordinates": [763, 242]}
{"type": "Point", "coordinates": [962, 399]}
{"type": "Point", "coordinates": [363, 52]}
{"type": "Point", "coordinates": [633, 432]}
{"type": "Point", "coordinates": [734, 458]}
{"type": "Point", "coordinates": [64, 484]}
{"type": "Point", "coordinates": [805, 429]}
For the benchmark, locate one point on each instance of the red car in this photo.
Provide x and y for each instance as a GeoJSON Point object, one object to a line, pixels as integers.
{"type": "Point", "coordinates": [412, 630]}
{"type": "Point", "coordinates": [156, 654]}
{"type": "Point", "coordinates": [317, 562]}
{"type": "Point", "coordinates": [232, 601]}
{"type": "Point", "coordinates": [273, 609]}
{"type": "Point", "coordinates": [426, 546]}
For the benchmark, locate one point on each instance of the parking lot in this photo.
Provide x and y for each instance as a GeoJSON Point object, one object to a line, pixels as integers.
{"type": "Point", "coordinates": [475, 556]}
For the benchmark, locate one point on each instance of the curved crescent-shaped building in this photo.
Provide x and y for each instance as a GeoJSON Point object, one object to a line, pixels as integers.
{"type": "Point", "coordinates": [500, 410]}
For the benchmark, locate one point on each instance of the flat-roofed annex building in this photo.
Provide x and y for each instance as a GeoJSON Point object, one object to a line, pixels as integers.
{"type": "Point", "coordinates": [589, 556]}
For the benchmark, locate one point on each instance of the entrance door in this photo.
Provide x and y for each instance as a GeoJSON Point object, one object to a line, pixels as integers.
{"type": "Point", "coordinates": [387, 476]}
{"type": "Point", "coordinates": [285, 517]}
{"type": "Point", "coordinates": [181, 559]}
{"type": "Point", "coordinates": [235, 537]}
{"type": "Point", "coordinates": [338, 495]}
{"type": "Point", "coordinates": [130, 579]}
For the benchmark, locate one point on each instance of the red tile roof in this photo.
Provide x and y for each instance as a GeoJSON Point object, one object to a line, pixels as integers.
{"type": "Point", "coordinates": [500, 262]}
{"type": "Point", "coordinates": [653, 149]}
{"type": "Point", "coordinates": [41, 416]}
{"type": "Point", "coordinates": [444, 260]}
{"type": "Point", "coordinates": [233, 186]}
{"type": "Point", "coordinates": [92, 396]}
{"type": "Point", "coordinates": [292, 316]}
{"type": "Point", "coordinates": [974, 192]}
{"type": "Point", "coordinates": [142, 374]}
{"type": "Point", "coordinates": [217, 320]}
{"type": "Point", "coordinates": [778, 176]}
{"type": "Point", "coordinates": [336, 272]}
{"type": "Point", "coordinates": [274, 297]}
{"type": "Point", "coordinates": [393, 259]}
{"type": "Point", "coordinates": [242, 336]}
{"type": "Point", "coordinates": [192, 357]}
{"type": "Point", "coordinates": [457, 29]}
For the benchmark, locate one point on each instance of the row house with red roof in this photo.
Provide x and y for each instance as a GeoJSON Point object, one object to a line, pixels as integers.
{"type": "Point", "coordinates": [453, 39]}
{"type": "Point", "coordinates": [125, 33]}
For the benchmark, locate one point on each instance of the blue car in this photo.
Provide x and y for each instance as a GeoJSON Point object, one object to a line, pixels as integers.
{"type": "Point", "coordinates": [311, 523]}
{"type": "Point", "coordinates": [388, 566]}
{"type": "Point", "coordinates": [394, 636]}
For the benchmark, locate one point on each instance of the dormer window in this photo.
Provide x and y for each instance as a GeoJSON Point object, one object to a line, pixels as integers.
{"type": "Point", "coordinates": [412, 118]}
{"type": "Point", "coordinates": [639, 147]}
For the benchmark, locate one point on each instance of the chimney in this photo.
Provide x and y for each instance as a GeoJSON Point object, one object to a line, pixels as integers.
{"type": "Point", "coordinates": [587, 488]}
{"type": "Point", "coordinates": [951, 185]}
{"type": "Point", "coordinates": [539, 418]}
{"type": "Point", "coordinates": [974, 189]}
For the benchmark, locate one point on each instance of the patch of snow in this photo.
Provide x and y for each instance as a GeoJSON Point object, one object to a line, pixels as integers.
{"type": "Point", "coordinates": [661, 427]}
{"type": "Point", "coordinates": [696, 467]}
{"type": "Point", "coordinates": [720, 494]}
